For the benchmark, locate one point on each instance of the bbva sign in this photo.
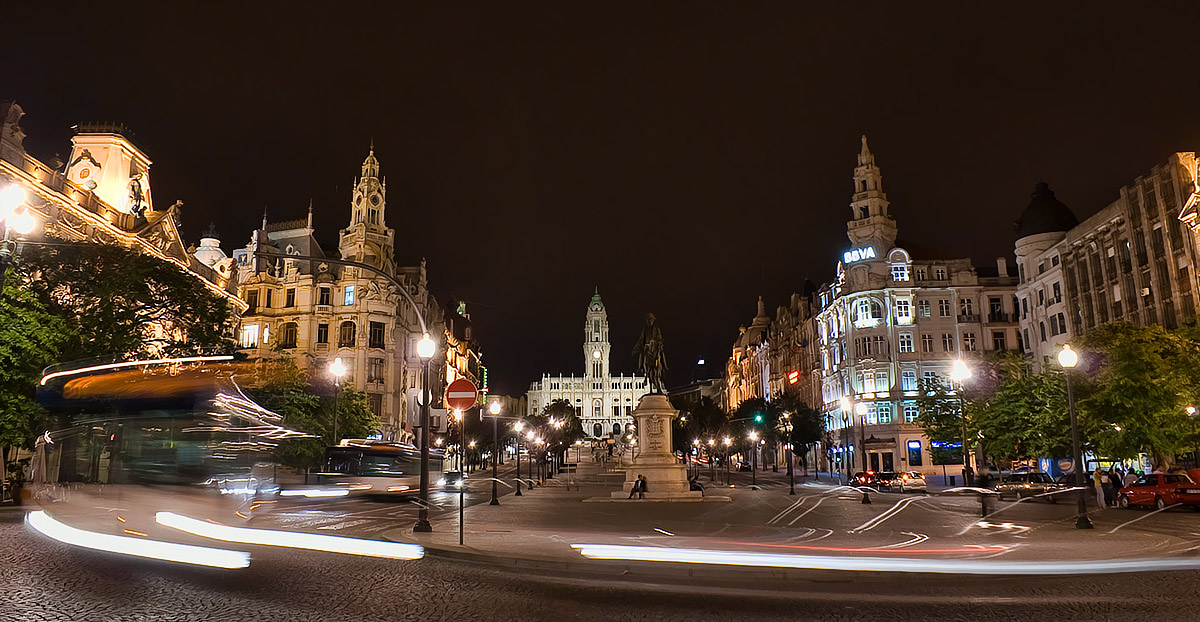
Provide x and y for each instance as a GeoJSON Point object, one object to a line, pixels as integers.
{"type": "Point", "coordinates": [858, 254]}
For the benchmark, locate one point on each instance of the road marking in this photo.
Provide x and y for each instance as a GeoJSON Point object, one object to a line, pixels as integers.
{"type": "Point", "coordinates": [1114, 529]}
{"type": "Point", "coordinates": [878, 520]}
{"type": "Point", "coordinates": [663, 531]}
{"type": "Point", "coordinates": [784, 511]}
{"type": "Point", "coordinates": [805, 512]}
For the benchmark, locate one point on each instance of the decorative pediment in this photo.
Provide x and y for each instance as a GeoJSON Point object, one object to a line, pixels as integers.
{"type": "Point", "coordinates": [163, 234]}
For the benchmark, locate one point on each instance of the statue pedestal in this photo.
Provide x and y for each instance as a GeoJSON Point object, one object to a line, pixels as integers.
{"type": "Point", "coordinates": [666, 479]}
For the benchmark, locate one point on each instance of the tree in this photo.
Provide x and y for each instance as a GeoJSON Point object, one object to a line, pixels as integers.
{"type": "Point", "coordinates": [30, 337]}
{"type": "Point", "coordinates": [1143, 379]}
{"type": "Point", "coordinates": [1016, 413]}
{"type": "Point", "coordinates": [939, 413]}
{"type": "Point", "coordinates": [287, 389]}
{"type": "Point", "coordinates": [117, 302]}
{"type": "Point", "coordinates": [700, 420]}
{"type": "Point", "coordinates": [806, 425]}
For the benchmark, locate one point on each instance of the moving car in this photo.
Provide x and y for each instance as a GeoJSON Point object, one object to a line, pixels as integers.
{"type": "Point", "coordinates": [909, 480]}
{"type": "Point", "coordinates": [883, 479]}
{"type": "Point", "coordinates": [452, 481]}
{"type": "Point", "coordinates": [1028, 484]}
{"type": "Point", "coordinates": [863, 479]}
{"type": "Point", "coordinates": [1160, 490]}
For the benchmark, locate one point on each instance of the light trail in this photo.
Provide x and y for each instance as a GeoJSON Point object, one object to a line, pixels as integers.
{"type": "Point", "coordinates": [289, 539]}
{"type": "Point", "coordinates": [805, 512]}
{"type": "Point", "coordinates": [44, 524]}
{"type": "Point", "coordinates": [1114, 529]}
{"type": "Point", "coordinates": [785, 511]}
{"type": "Point", "coordinates": [889, 549]}
{"type": "Point", "coordinates": [989, 567]}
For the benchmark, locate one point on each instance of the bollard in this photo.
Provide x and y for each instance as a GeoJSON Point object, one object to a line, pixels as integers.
{"type": "Point", "coordinates": [866, 496]}
{"type": "Point", "coordinates": [983, 511]}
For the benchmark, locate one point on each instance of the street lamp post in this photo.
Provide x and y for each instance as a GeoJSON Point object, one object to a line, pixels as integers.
{"type": "Point", "coordinates": [425, 348]}
{"type": "Point", "coordinates": [1069, 359]}
{"type": "Point", "coordinates": [22, 221]}
{"type": "Point", "coordinates": [495, 410]}
{"type": "Point", "coordinates": [959, 374]}
{"type": "Point", "coordinates": [861, 410]}
{"type": "Point", "coordinates": [517, 428]}
{"type": "Point", "coordinates": [787, 425]}
{"type": "Point", "coordinates": [753, 462]}
{"type": "Point", "coordinates": [338, 370]}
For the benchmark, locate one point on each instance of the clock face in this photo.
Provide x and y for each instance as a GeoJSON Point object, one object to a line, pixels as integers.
{"type": "Point", "coordinates": [595, 354]}
{"type": "Point", "coordinates": [375, 199]}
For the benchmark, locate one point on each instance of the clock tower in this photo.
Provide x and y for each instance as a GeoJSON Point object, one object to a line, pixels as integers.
{"type": "Point", "coordinates": [368, 239]}
{"type": "Point", "coordinates": [871, 224]}
{"type": "Point", "coordinates": [595, 339]}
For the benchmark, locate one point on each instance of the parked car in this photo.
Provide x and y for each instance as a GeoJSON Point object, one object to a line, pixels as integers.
{"type": "Point", "coordinates": [883, 479]}
{"type": "Point", "coordinates": [1160, 490]}
{"type": "Point", "coordinates": [1029, 484]}
{"type": "Point", "coordinates": [864, 478]}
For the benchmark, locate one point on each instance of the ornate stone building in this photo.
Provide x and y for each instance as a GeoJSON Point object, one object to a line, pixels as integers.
{"type": "Point", "coordinates": [102, 194]}
{"type": "Point", "coordinates": [603, 402]}
{"type": "Point", "coordinates": [892, 319]}
{"type": "Point", "coordinates": [318, 311]}
{"type": "Point", "coordinates": [1131, 261]}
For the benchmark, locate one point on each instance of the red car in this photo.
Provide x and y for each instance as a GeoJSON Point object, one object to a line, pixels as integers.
{"type": "Point", "coordinates": [1161, 490]}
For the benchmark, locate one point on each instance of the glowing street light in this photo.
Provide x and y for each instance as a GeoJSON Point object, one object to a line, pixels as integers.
{"type": "Point", "coordinates": [337, 369]}
{"type": "Point", "coordinates": [1069, 359]}
{"type": "Point", "coordinates": [425, 350]}
{"type": "Point", "coordinates": [15, 217]}
{"type": "Point", "coordinates": [959, 373]}
{"type": "Point", "coordinates": [494, 409]}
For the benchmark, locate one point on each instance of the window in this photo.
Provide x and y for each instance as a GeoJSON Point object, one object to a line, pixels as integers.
{"type": "Point", "coordinates": [322, 333]}
{"type": "Point", "coordinates": [349, 299]}
{"type": "Point", "coordinates": [628, 411]}
{"type": "Point", "coordinates": [1054, 260]}
{"type": "Point", "coordinates": [920, 274]}
{"type": "Point", "coordinates": [947, 342]}
{"type": "Point", "coordinates": [249, 336]}
{"type": "Point", "coordinates": [998, 341]}
{"type": "Point", "coordinates": [904, 311]}
{"type": "Point", "coordinates": [596, 410]}
{"type": "Point", "coordinates": [910, 414]}
{"type": "Point", "coordinates": [373, 216]}
{"type": "Point", "coordinates": [376, 403]}
{"type": "Point", "coordinates": [266, 333]}
{"type": "Point", "coordinates": [966, 306]}
{"type": "Point", "coordinates": [944, 307]}
{"type": "Point", "coordinates": [995, 308]}
{"type": "Point", "coordinates": [899, 272]}
{"type": "Point", "coordinates": [906, 342]}
{"type": "Point", "coordinates": [1041, 297]}
{"type": "Point", "coordinates": [1057, 292]}
{"type": "Point", "coordinates": [1041, 267]}
{"type": "Point", "coordinates": [346, 335]}
{"type": "Point", "coordinates": [862, 310]}
{"type": "Point", "coordinates": [1062, 323]}
{"type": "Point", "coordinates": [1053, 325]}
{"type": "Point", "coordinates": [914, 452]}
{"type": "Point", "coordinates": [376, 335]}
{"type": "Point", "coordinates": [927, 343]}
{"type": "Point", "coordinates": [884, 411]}
{"type": "Point", "coordinates": [325, 296]}
{"type": "Point", "coordinates": [908, 380]}
{"type": "Point", "coordinates": [931, 377]}
{"type": "Point", "coordinates": [268, 305]}
{"type": "Point", "coordinates": [1024, 308]}
{"type": "Point", "coordinates": [374, 369]}
{"type": "Point", "coordinates": [868, 382]}
{"type": "Point", "coordinates": [252, 300]}
{"type": "Point", "coordinates": [923, 308]}
{"type": "Point", "coordinates": [287, 335]}
{"type": "Point", "coordinates": [1042, 325]}
{"type": "Point", "coordinates": [939, 274]}
{"type": "Point", "coordinates": [969, 342]}
{"type": "Point", "coordinates": [290, 297]}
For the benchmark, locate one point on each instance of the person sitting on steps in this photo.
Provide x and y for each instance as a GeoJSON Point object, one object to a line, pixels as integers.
{"type": "Point", "coordinates": [639, 487]}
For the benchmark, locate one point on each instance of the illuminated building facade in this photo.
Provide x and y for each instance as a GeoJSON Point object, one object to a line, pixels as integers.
{"type": "Point", "coordinates": [316, 311]}
{"type": "Point", "coordinates": [892, 319]}
{"type": "Point", "coordinates": [1130, 262]}
{"type": "Point", "coordinates": [603, 402]}
{"type": "Point", "coordinates": [102, 194]}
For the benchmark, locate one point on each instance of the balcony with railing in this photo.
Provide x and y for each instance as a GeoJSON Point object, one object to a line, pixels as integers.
{"type": "Point", "coordinates": [968, 318]}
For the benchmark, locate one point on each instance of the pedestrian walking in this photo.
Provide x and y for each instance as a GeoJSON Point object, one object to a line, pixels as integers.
{"type": "Point", "coordinates": [1098, 482]}
{"type": "Point", "coordinates": [1115, 483]}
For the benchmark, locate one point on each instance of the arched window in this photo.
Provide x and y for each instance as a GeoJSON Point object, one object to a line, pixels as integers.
{"type": "Point", "coordinates": [346, 335]}
{"type": "Point", "coordinates": [597, 430]}
{"type": "Point", "coordinates": [616, 429]}
{"type": "Point", "coordinates": [287, 335]}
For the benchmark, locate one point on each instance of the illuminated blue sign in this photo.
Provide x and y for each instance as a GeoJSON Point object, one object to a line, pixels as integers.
{"type": "Point", "coordinates": [858, 254]}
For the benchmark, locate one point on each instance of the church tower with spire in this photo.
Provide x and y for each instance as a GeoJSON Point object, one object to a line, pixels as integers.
{"type": "Point", "coordinates": [596, 348]}
{"type": "Point", "coordinates": [368, 239]}
{"type": "Point", "coordinates": [871, 224]}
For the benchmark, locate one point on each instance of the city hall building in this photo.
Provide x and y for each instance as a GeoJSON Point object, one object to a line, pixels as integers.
{"type": "Point", "coordinates": [603, 402]}
{"type": "Point", "coordinates": [893, 317]}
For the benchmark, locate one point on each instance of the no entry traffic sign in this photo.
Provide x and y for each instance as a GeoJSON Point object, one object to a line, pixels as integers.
{"type": "Point", "coordinates": [461, 394]}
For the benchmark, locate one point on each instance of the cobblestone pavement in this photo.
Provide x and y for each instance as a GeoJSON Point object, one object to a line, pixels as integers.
{"type": "Point", "coordinates": [42, 580]}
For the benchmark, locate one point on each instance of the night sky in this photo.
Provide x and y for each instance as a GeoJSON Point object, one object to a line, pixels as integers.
{"type": "Point", "coordinates": [683, 157]}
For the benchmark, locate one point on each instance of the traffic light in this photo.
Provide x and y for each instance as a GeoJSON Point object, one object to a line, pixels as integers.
{"type": "Point", "coordinates": [758, 418]}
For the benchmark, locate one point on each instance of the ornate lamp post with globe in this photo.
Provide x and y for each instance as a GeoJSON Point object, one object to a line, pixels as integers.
{"type": "Point", "coordinates": [12, 218]}
{"type": "Point", "coordinates": [959, 374]}
{"type": "Point", "coordinates": [495, 410]}
{"type": "Point", "coordinates": [337, 369]}
{"type": "Point", "coordinates": [1068, 359]}
{"type": "Point", "coordinates": [425, 349]}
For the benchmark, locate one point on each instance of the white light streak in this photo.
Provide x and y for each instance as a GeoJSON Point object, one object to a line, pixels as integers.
{"type": "Point", "coordinates": [269, 537]}
{"type": "Point", "coordinates": [84, 370]}
{"type": "Point", "coordinates": [880, 564]}
{"type": "Point", "coordinates": [315, 492]}
{"type": "Point", "coordinates": [138, 547]}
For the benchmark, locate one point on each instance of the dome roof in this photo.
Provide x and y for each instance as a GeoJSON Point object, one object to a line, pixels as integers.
{"type": "Point", "coordinates": [1044, 214]}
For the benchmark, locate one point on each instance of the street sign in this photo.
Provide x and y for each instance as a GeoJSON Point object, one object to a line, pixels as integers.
{"type": "Point", "coordinates": [461, 394]}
